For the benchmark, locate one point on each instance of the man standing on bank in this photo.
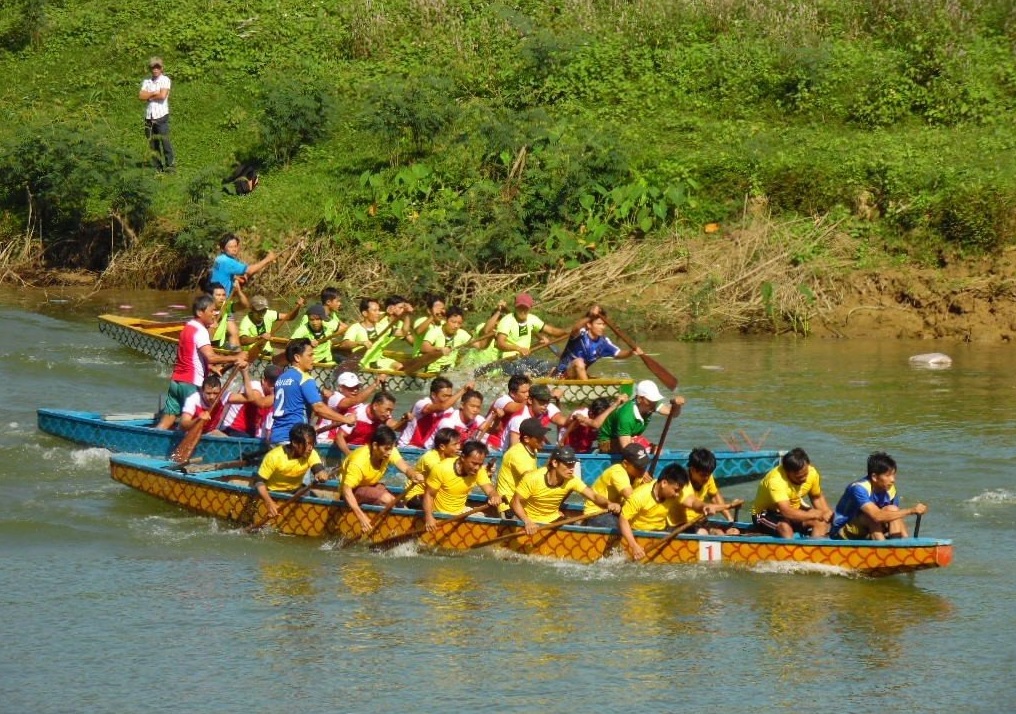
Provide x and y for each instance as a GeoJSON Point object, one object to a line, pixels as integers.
{"type": "Point", "coordinates": [155, 93]}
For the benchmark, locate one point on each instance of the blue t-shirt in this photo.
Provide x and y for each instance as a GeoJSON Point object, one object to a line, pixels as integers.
{"type": "Point", "coordinates": [225, 269]}
{"type": "Point", "coordinates": [295, 394]}
{"type": "Point", "coordinates": [586, 347]}
{"type": "Point", "coordinates": [857, 495]}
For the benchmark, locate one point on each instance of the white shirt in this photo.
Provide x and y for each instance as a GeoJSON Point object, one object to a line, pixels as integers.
{"type": "Point", "coordinates": [156, 108]}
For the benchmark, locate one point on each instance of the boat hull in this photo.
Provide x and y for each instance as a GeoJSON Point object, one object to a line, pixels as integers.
{"type": "Point", "coordinates": [228, 495]}
{"type": "Point", "coordinates": [136, 436]}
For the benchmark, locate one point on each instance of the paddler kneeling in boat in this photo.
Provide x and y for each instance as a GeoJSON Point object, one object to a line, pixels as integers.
{"type": "Point", "coordinates": [659, 505]}
{"type": "Point", "coordinates": [363, 470]}
{"type": "Point", "coordinates": [870, 508]}
{"type": "Point", "coordinates": [628, 422]}
{"type": "Point", "coordinates": [777, 509]}
{"type": "Point", "coordinates": [284, 467]}
{"type": "Point", "coordinates": [701, 464]}
{"type": "Point", "coordinates": [540, 493]}
{"type": "Point", "coordinates": [617, 483]}
{"type": "Point", "coordinates": [449, 483]}
{"type": "Point", "coordinates": [198, 407]}
{"type": "Point", "coordinates": [587, 344]}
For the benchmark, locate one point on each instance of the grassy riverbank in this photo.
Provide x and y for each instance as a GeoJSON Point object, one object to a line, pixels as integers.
{"type": "Point", "coordinates": [431, 144]}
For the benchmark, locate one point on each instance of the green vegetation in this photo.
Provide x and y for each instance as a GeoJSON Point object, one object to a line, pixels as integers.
{"type": "Point", "coordinates": [443, 137]}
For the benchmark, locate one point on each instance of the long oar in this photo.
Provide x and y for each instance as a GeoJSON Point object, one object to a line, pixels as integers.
{"type": "Point", "coordinates": [545, 528]}
{"type": "Point", "coordinates": [671, 536]}
{"type": "Point", "coordinates": [663, 440]}
{"type": "Point", "coordinates": [420, 531]}
{"type": "Point", "coordinates": [681, 529]}
{"type": "Point", "coordinates": [917, 526]}
{"type": "Point", "coordinates": [186, 447]}
{"type": "Point", "coordinates": [424, 361]}
{"type": "Point", "coordinates": [661, 372]}
{"type": "Point", "coordinates": [380, 518]}
{"type": "Point", "coordinates": [293, 500]}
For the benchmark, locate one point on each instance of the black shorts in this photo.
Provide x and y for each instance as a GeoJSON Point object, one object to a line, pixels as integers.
{"type": "Point", "coordinates": [768, 520]}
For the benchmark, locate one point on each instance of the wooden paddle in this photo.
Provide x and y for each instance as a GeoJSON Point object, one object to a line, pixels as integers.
{"type": "Point", "coordinates": [661, 372]}
{"type": "Point", "coordinates": [663, 440]}
{"type": "Point", "coordinates": [420, 531]}
{"type": "Point", "coordinates": [423, 361]}
{"type": "Point", "coordinates": [917, 525]}
{"type": "Point", "coordinates": [681, 529]}
{"type": "Point", "coordinates": [186, 447]}
{"type": "Point", "coordinates": [671, 536]}
{"type": "Point", "coordinates": [293, 500]}
{"type": "Point", "coordinates": [377, 521]}
{"type": "Point", "coordinates": [545, 528]}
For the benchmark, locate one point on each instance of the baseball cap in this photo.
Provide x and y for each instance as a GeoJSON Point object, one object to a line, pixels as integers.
{"type": "Point", "coordinates": [636, 455]}
{"type": "Point", "coordinates": [349, 379]}
{"type": "Point", "coordinates": [259, 303]}
{"type": "Point", "coordinates": [524, 300]}
{"type": "Point", "coordinates": [533, 427]}
{"type": "Point", "coordinates": [647, 389]}
{"type": "Point", "coordinates": [316, 311]}
{"type": "Point", "coordinates": [564, 454]}
{"type": "Point", "coordinates": [272, 372]}
{"type": "Point", "coordinates": [540, 392]}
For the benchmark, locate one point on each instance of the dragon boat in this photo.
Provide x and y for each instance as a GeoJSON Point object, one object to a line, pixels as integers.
{"type": "Point", "coordinates": [133, 433]}
{"type": "Point", "coordinates": [158, 340]}
{"type": "Point", "coordinates": [228, 494]}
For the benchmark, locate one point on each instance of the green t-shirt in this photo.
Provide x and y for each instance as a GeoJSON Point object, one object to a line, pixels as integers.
{"type": "Point", "coordinates": [518, 333]}
{"type": "Point", "coordinates": [249, 329]}
{"type": "Point", "coordinates": [436, 336]}
{"type": "Point", "coordinates": [626, 420]}
{"type": "Point", "coordinates": [323, 350]}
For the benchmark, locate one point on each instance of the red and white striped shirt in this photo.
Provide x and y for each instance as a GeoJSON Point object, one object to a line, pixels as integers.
{"type": "Point", "coordinates": [361, 432]}
{"type": "Point", "coordinates": [421, 426]}
{"type": "Point", "coordinates": [190, 365]}
{"type": "Point", "coordinates": [195, 406]}
{"type": "Point", "coordinates": [454, 421]}
{"type": "Point", "coordinates": [249, 417]}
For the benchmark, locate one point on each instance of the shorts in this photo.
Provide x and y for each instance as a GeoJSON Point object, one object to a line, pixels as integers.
{"type": "Point", "coordinates": [176, 396]}
{"type": "Point", "coordinates": [604, 520]}
{"type": "Point", "coordinates": [768, 520]}
{"type": "Point", "coordinates": [371, 495]}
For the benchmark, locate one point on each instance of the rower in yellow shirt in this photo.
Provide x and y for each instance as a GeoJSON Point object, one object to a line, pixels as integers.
{"type": "Point", "coordinates": [519, 460]}
{"type": "Point", "coordinates": [450, 482]}
{"type": "Point", "coordinates": [447, 444]}
{"type": "Point", "coordinates": [778, 509]}
{"type": "Point", "coordinates": [701, 464]}
{"type": "Point", "coordinates": [659, 505]}
{"type": "Point", "coordinates": [363, 470]}
{"type": "Point", "coordinates": [540, 493]}
{"type": "Point", "coordinates": [617, 482]}
{"type": "Point", "coordinates": [284, 467]}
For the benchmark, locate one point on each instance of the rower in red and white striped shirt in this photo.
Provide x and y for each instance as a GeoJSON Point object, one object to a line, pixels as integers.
{"type": "Point", "coordinates": [198, 407]}
{"type": "Point", "coordinates": [465, 420]}
{"type": "Point", "coordinates": [505, 407]}
{"type": "Point", "coordinates": [250, 410]}
{"type": "Point", "coordinates": [429, 411]}
{"type": "Point", "coordinates": [368, 418]}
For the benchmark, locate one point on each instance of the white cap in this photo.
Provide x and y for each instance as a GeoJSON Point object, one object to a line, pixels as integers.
{"type": "Point", "coordinates": [349, 379]}
{"type": "Point", "coordinates": [647, 389]}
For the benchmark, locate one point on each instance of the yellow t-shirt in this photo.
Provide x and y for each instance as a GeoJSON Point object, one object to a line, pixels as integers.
{"type": "Point", "coordinates": [609, 485]}
{"type": "Point", "coordinates": [451, 489]}
{"type": "Point", "coordinates": [515, 463]}
{"type": "Point", "coordinates": [705, 494]}
{"type": "Point", "coordinates": [281, 472]}
{"type": "Point", "coordinates": [644, 513]}
{"type": "Point", "coordinates": [357, 470]}
{"type": "Point", "coordinates": [775, 488]}
{"type": "Point", "coordinates": [425, 465]}
{"type": "Point", "coordinates": [540, 501]}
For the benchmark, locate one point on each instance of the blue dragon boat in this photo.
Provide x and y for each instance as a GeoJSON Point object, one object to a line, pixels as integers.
{"type": "Point", "coordinates": [133, 433]}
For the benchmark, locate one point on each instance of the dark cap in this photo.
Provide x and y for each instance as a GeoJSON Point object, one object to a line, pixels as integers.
{"type": "Point", "coordinates": [272, 372]}
{"type": "Point", "coordinates": [316, 311]}
{"type": "Point", "coordinates": [636, 455]}
{"type": "Point", "coordinates": [533, 427]}
{"type": "Point", "coordinates": [564, 454]}
{"type": "Point", "coordinates": [540, 392]}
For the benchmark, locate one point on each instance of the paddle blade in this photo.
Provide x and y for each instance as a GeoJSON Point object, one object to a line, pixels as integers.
{"type": "Point", "coordinates": [422, 362]}
{"type": "Point", "coordinates": [186, 447]}
{"type": "Point", "coordinates": [661, 372]}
